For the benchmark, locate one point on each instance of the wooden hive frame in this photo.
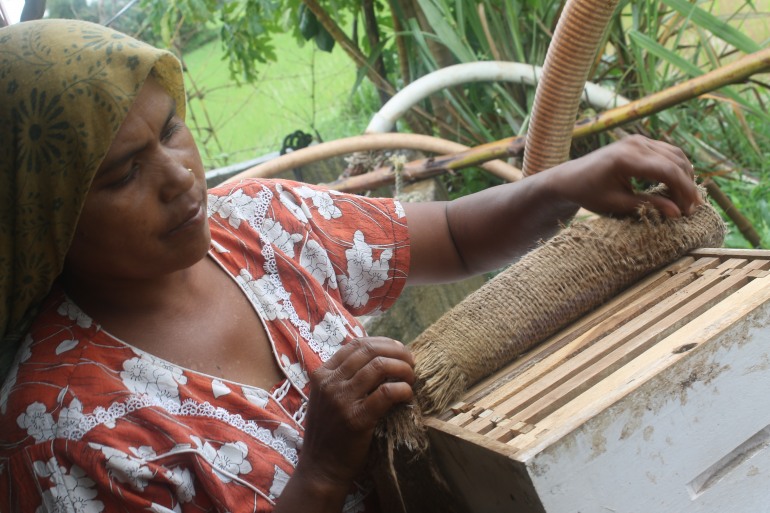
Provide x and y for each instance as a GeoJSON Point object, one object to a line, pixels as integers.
{"type": "Point", "coordinates": [639, 381]}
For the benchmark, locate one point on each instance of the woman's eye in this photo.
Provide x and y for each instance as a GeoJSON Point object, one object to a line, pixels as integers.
{"type": "Point", "coordinates": [125, 179]}
{"type": "Point", "coordinates": [170, 131]}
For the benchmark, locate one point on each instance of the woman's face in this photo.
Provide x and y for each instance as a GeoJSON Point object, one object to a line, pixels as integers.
{"type": "Point", "coordinates": [145, 214]}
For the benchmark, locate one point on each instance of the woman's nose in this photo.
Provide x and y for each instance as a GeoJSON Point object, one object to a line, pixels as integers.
{"type": "Point", "coordinates": [177, 178]}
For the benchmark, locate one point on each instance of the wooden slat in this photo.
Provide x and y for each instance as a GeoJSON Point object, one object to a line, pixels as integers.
{"type": "Point", "coordinates": [623, 343]}
{"type": "Point", "coordinates": [587, 376]}
{"type": "Point", "coordinates": [587, 322]}
{"type": "Point", "coordinates": [524, 387]}
{"type": "Point", "coordinates": [751, 254]}
{"type": "Point", "coordinates": [699, 331]}
{"type": "Point", "coordinates": [571, 339]}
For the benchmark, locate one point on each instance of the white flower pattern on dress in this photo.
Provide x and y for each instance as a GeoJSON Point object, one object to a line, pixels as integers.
{"type": "Point", "coordinates": [219, 388]}
{"type": "Point", "coordinates": [72, 491]}
{"type": "Point", "coordinates": [70, 422]}
{"type": "Point", "coordinates": [400, 212]}
{"type": "Point", "coordinates": [229, 458]}
{"type": "Point", "coordinates": [66, 345]}
{"type": "Point", "coordinates": [294, 372]}
{"type": "Point", "coordinates": [288, 436]}
{"type": "Point", "coordinates": [315, 259]}
{"type": "Point", "coordinates": [235, 207]}
{"type": "Point", "coordinates": [328, 335]}
{"type": "Point", "coordinates": [256, 396]}
{"type": "Point", "coordinates": [322, 200]}
{"type": "Point", "coordinates": [143, 452]}
{"type": "Point", "coordinates": [125, 468]}
{"type": "Point", "coordinates": [280, 478]}
{"type": "Point", "coordinates": [158, 508]}
{"type": "Point", "coordinates": [354, 503]}
{"type": "Point", "coordinates": [183, 481]}
{"type": "Point", "coordinates": [38, 423]}
{"type": "Point", "coordinates": [364, 273]}
{"type": "Point", "coordinates": [297, 208]}
{"type": "Point", "coordinates": [147, 375]}
{"type": "Point", "coordinates": [74, 313]}
{"type": "Point", "coordinates": [264, 294]}
{"type": "Point", "coordinates": [280, 238]}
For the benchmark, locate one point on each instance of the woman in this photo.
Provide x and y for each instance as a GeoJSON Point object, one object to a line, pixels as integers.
{"type": "Point", "coordinates": [178, 349]}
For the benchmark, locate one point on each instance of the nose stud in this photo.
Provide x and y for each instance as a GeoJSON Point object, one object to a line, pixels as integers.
{"type": "Point", "coordinates": [190, 170]}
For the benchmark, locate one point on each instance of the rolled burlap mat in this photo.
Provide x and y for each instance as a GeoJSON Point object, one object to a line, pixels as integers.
{"type": "Point", "coordinates": [574, 272]}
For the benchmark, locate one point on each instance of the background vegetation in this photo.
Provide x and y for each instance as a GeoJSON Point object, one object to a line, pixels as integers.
{"type": "Point", "coordinates": [274, 50]}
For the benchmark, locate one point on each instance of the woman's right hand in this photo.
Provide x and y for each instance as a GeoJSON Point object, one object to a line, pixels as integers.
{"type": "Point", "coordinates": [349, 394]}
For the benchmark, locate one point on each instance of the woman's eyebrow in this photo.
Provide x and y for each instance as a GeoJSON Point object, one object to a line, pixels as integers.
{"type": "Point", "coordinates": [117, 162]}
{"type": "Point", "coordinates": [171, 112]}
{"type": "Point", "coordinates": [109, 166]}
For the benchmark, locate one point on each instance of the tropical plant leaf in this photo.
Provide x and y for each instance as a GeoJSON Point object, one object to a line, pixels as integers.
{"type": "Point", "coordinates": [711, 23]}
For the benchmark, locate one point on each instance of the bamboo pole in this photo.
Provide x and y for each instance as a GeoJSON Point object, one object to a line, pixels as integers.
{"type": "Point", "coordinates": [731, 211]}
{"type": "Point", "coordinates": [513, 146]}
{"type": "Point", "coordinates": [738, 71]}
{"type": "Point", "coordinates": [371, 142]}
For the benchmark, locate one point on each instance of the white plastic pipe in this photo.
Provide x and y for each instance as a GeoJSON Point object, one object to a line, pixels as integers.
{"type": "Point", "coordinates": [484, 71]}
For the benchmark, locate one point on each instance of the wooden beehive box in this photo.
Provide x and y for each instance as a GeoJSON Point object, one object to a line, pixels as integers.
{"type": "Point", "coordinates": [657, 402]}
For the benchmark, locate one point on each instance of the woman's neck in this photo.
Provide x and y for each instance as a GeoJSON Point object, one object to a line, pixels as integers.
{"type": "Point", "coordinates": [105, 297]}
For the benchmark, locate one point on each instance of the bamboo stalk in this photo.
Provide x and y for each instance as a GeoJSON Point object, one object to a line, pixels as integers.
{"type": "Point", "coordinates": [731, 211]}
{"type": "Point", "coordinates": [513, 146]}
{"type": "Point", "coordinates": [735, 72]}
{"type": "Point", "coordinates": [371, 142]}
{"type": "Point", "coordinates": [348, 46]}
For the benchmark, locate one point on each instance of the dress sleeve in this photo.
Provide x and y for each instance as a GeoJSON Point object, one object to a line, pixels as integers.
{"type": "Point", "coordinates": [356, 247]}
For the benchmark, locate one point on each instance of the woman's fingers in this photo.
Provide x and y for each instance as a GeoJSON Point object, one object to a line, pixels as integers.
{"type": "Point", "coordinates": [358, 353]}
{"type": "Point", "coordinates": [603, 181]}
{"type": "Point", "coordinates": [668, 164]}
{"type": "Point", "coordinates": [385, 396]}
{"type": "Point", "coordinates": [362, 382]}
{"type": "Point", "coordinates": [380, 370]}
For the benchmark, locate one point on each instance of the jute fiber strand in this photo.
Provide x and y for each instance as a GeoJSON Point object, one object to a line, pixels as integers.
{"type": "Point", "coordinates": [564, 278]}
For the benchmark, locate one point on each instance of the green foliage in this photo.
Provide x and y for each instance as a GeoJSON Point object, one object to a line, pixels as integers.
{"type": "Point", "coordinates": [310, 28]}
{"type": "Point", "coordinates": [651, 45]}
{"type": "Point", "coordinates": [309, 90]}
{"type": "Point", "coordinates": [246, 27]}
{"type": "Point", "coordinates": [132, 21]}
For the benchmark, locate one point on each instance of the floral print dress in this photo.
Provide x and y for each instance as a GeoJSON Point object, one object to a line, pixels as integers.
{"type": "Point", "coordinates": [90, 423]}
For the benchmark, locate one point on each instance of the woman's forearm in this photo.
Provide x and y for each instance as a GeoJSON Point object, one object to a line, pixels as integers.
{"type": "Point", "coordinates": [311, 494]}
{"type": "Point", "coordinates": [486, 230]}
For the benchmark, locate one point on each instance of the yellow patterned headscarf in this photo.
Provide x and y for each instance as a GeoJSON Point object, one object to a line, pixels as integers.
{"type": "Point", "coordinates": [65, 88]}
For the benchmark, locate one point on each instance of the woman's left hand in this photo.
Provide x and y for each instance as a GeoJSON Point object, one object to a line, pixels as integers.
{"type": "Point", "coordinates": [602, 181]}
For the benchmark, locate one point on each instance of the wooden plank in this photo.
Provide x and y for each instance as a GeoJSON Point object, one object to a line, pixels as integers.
{"type": "Point", "coordinates": [567, 382]}
{"type": "Point", "coordinates": [526, 389]}
{"type": "Point", "coordinates": [568, 342]}
{"type": "Point", "coordinates": [752, 254]}
{"type": "Point", "coordinates": [695, 438]}
{"type": "Point", "coordinates": [684, 265]}
{"type": "Point", "coordinates": [677, 345]}
{"type": "Point", "coordinates": [589, 376]}
{"type": "Point", "coordinates": [480, 472]}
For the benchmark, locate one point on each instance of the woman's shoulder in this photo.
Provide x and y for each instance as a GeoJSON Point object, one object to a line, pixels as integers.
{"type": "Point", "coordinates": [51, 365]}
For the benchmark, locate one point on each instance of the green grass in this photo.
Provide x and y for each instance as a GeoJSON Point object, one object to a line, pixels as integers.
{"type": "Point", "coordinates": [306, 90]}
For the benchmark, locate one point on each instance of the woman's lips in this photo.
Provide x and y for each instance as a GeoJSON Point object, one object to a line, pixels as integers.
{"type": "Point", "coordinates": [194, 217]}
